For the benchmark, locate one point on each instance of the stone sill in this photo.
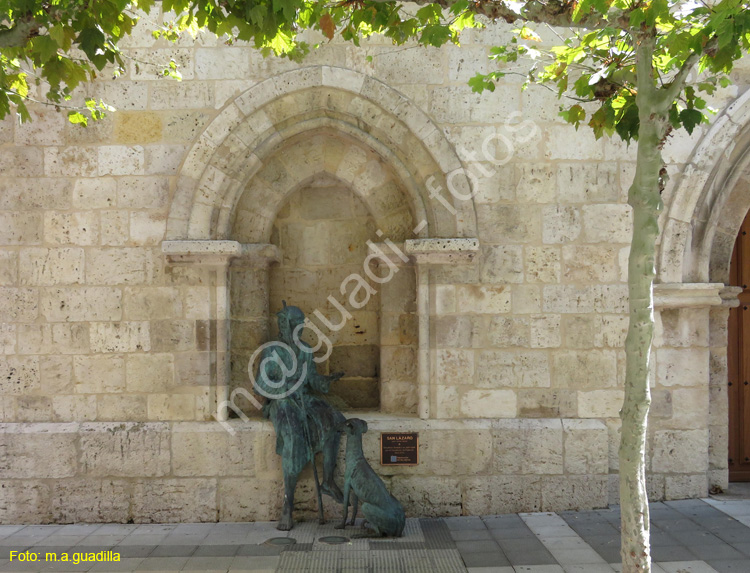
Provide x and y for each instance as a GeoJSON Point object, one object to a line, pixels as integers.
{"type": "Point", "coordinates": [375, 420]}
{"type": "Point", "coordinates": [219, 252]}
{"type": "Point", "coordinates": [442, 251]}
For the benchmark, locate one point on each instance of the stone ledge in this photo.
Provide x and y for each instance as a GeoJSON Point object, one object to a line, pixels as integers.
{"type": "Point", "coordinates": [442, 251]}
{"type": "Point", "coordinates": [219, 252]}
{"type": "Point", "coordinates": [687, 295]}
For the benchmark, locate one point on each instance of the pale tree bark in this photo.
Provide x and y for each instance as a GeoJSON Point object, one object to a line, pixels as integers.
{"type": "Point", "coordinates": [644, 197]}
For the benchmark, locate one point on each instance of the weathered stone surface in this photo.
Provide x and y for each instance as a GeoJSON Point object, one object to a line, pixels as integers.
{"type": "Point", "coordinates": [26, 501]}
{"type": "Point", "coordinates": [149, 372]}
{"type": "Point", "coordinates": [508, 331]}
{"type": "Point", "coordinates": [545, 331]}
{"type": "Point", "coordinates": [680, 451]}
{"type": "Point", "coordinates": [528, 446]}
{"type": "Point", "coordinates": [71, 228]}
{"type": "Point", "coordinates": [152, 303]}
{"type": "Point", "coordinates": [586, 447]}
{"type": "Point", "coordinates": [488, 404]}
{"type": "Point", "coordinates": [120, 408]}
{"type": "Point", "coordinates": [542, 264]}
{"type": "Point", "coordinates": [19, 374]}
{"type": "Point", "coordinates": [99, 374]}
{"type": "Point", "coordinates": [40, 266]}
{"type": "Point", "coordinates": [512, 369]}
{"type": "Point", "coordinates": [20, 228]}
{"type": "Point", "coordinates": [455, 367]}
{"type": "Point", "coordinates": [455, 331]}
{"type": "Point", "coordinates": [547, 403]}
{"type": "Point", "coordinates": [124, 450]}
{"type": "Point", "coordinates": [73, 408]}
{"type": "Point", "coordinates": [683, 327]}
{"type": "Point", "coordinates": [600, 403]}
{"type": "Point", "coordinates": [503, 264]}
{"type": "Point", "coordinates": [80, 304]}
{"type": "Point", "coordinates": [682, 367]}
{"type": "Point", "coordinates": [56, 338]}
{"type": "Point", "coordinates": [24, 445]}
{"type": "Point", "coordinates": [567, 298]}
{"type": "Point", "coordinates": [171, 407]}
{"type": "Point", "coordinates": [560, 223]}
{"type": "Point", "coordinates": [584, 370]}
{"type": "Point", "coordinates": [249, 499]}
{"type": "Point", "coordinates": [116, 266]}
{"type": "Point", "coordinates": [590, 264]}
{"type": "Point", "coordinates": [209, 450]}
{"type": "Point", "coordinates": [79, 500]}
{"type": "Point", "coordinates": [427, 496]}
{"type": "Point", "coordinates": [186, 500]}
{"type": "Point", "coordinates": [493, 495]}
{"type": "Point", "coordinates": [574, 492]}
{"type": "Point", "coordinates": [483, 299]}
{"type": "Point", "coordinates": [120, 337]}
{"type": "Point", "coordinates": [398, 363]}
{"type": "Point", "coordinates": [685, 486]}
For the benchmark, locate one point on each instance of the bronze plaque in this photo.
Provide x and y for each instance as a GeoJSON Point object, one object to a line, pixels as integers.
{"type": "Point", "coordinates": [399, 448]}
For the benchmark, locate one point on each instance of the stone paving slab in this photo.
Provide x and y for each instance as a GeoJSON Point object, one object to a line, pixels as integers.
{"type": "Point", "coordinates": [689, 536]}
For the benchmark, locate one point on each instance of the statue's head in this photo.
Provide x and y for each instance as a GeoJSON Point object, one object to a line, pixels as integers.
{"type": "Point", "coordinates": [290, 317]}
{"type": "Point", "coordinates": [353, 427]}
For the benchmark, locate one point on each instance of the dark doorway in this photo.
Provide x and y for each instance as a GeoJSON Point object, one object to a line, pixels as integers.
{"type": "Point", "coordinates": [738, 358]}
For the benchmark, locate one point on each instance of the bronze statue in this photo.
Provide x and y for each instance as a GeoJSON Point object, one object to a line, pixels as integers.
{"type": "Point", "coordinates": [304, 421]}
{"type": "Point", "coordinates": [383, 513]}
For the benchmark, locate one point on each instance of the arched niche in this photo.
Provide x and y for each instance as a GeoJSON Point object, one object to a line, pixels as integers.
{"type": "Point", "coordinates": [332, 198]}
{"type": "Point", "coordinates": [285, 133]}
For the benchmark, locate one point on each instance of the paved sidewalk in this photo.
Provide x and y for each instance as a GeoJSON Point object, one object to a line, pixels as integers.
{"type": "Point", "coordinates": [691, 536]}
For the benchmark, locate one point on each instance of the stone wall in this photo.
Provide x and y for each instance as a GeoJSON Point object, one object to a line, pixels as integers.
{"type": "Point", "coordinates": [188, 472]}
{"type": "Point", "coordinates": [322, 232]}
{"type": "Point", "coordinates": [113, 355]}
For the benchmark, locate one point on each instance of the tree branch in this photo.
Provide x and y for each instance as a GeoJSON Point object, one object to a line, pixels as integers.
{"type": "Point", "coordinates": [19, 34]}
{"type": "Point", "coordinates": [672, 90]}
{"type": "Point", "coordinates": [553, 12]}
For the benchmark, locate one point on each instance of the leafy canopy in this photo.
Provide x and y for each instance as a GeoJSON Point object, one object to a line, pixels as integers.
{"type": "Point", "coordinates": [597, 67]}
{"type": "Point", "coordinates": [59, 44]}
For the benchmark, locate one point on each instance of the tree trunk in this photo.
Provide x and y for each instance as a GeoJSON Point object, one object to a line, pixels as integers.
{"type": "Point", "coordinates": [644, 197]}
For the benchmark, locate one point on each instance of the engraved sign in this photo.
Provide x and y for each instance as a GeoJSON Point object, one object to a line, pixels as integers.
{"type": "Point", "coordinates": [399, 448]}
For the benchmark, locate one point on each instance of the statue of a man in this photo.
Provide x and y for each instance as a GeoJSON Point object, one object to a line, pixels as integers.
{"type": "Point", "coordinates": [305, 423]}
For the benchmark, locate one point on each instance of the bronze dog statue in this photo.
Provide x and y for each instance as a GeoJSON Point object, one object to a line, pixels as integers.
{"type": "Point", "coordinates": [383, 512]}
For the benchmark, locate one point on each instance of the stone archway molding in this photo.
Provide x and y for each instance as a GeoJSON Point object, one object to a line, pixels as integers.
{"type": "Point", "coordinates": [702, 219]}
{"type": "Point", "coordinates": [251, 130]}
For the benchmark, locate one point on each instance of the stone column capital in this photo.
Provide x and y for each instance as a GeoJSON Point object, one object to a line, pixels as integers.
{"type": "Point", "coordinates": [687, 295]}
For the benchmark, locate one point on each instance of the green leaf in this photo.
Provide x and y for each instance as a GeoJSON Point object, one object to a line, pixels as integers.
{"type": "Point", "coordinates": [46, 47]}
{"type": "Point", "coordinates": [77, 118]}
{"type": "Point", "coordinates": [691, 118]}
{"type": "Point", "coordinates": [574, 114]}
{"type": "Point", "coordinates": [481, 82]}
{"type": "Point", "coordinates": [628, 122]}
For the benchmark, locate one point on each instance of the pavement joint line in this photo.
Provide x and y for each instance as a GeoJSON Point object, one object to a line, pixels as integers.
{"type": "Point", "coordinates": [738, 509]}
{"type": "Point", "coordinates": [543, 524]}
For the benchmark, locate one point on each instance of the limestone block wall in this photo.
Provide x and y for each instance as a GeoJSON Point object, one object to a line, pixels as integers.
{"type": "Point", "coordinates": [112, 355]}
{"type": "Point", "coordinates": [192, 471]}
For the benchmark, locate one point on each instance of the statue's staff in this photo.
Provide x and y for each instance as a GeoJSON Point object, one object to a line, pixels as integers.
{"type": "Point", "coordinates": [321, 518]}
